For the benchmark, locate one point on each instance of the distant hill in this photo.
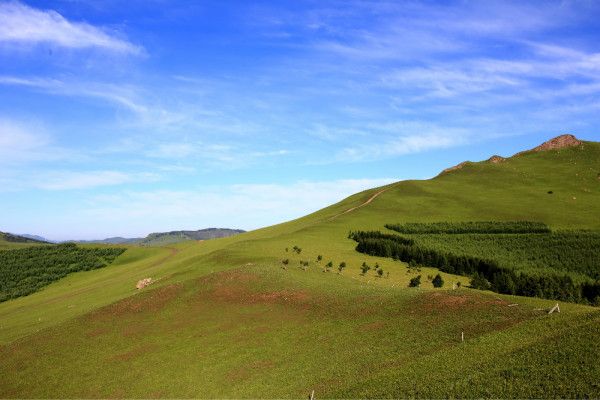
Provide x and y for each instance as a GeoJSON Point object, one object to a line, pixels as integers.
{"type": "Point", "coordinates": [160, 238]}
{"type": "Point", "coordinates": [35, 237]}
{"type": "Point", "coordinates": [12, 238]}
{"type": "Point", "coordinates": [113, 240]}
{"type": "Point", "coordinates": [180, 236]}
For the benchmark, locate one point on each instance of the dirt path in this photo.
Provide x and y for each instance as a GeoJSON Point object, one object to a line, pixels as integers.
{"type": "Point", "coordinates": [369, 200]}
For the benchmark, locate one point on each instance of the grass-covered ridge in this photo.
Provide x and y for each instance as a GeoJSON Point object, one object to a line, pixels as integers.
{"type": "Point", "coordinates": [27, 270]}
{"type": "Point", "coordinates": [224, 319]}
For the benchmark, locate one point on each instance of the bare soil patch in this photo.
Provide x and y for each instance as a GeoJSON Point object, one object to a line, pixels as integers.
{"type": "Point", "coordinates": [444, 301]}
{"type": "Point", "coordinates": [151, 301]}
{"type": "Point", "coordinates": [372, 326]}
{"type": "Point", "coordinates": [132, 354]}
{"type": "Point", "coordinates": [247, 371]}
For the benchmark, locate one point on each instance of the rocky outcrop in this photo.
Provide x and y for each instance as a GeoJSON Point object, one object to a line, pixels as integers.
{"type": "Point", "coordinates": [495, 159]}
{"type": "Point", "coordinates": [456, 167]}
{"type": "Point", "coordinates": [559, 142]}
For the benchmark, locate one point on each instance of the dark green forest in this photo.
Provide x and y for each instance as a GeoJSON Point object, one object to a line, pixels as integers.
{"type": "Point", "coordinates": [554, 265]}
{"type": "Point", "coordinates": [25, 271]}
{"type": "Point", "coordinates": [576, 253]}
{"type": "Point", "coordinates": [470, 227]}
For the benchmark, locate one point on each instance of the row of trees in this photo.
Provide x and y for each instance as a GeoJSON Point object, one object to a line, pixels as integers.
{"type": "Point", "coordinates": [27, 270]}
{"type": "Point", "coordinates": [470, 227]}
{"type": "Point", "coordinates": [437, 281]}
{"type": "Point", "coordinates": [329, 266]}
{"type": "Point", "coordinates": [486, 273]}
{"type": "Point", "coordinates": [562, 251]}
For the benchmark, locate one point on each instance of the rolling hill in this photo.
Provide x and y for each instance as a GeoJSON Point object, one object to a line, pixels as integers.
{"type": "Point", "coordinates": [163, 238]}
{"type": "Point", "coordinates": [10, 240]}
{"type": "Point", "coordinates": [226, 318]}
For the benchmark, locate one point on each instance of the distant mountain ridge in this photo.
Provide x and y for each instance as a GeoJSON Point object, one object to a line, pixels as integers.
{"type": "Point", "coordinates": [179, 236]}
{"type": "Point", "coordinates": [35, 237]}
{"type": "Point", "coordinates": [12, 238]}
{"type": "Point", "coordinates": [159, 238]}
{"type": "Point", "coordinates": [113, 240]}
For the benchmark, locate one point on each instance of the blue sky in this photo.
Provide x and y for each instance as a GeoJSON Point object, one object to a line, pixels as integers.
{"type": "Point", "coordinates": [124, 118]}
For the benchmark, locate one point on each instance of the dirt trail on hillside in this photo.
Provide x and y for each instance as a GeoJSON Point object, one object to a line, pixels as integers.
{"type": "Point", "coordinates": [369, 200]}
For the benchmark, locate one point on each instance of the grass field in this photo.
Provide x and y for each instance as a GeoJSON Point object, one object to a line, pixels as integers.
{"type": "Point", "coordinates": [225, 319]}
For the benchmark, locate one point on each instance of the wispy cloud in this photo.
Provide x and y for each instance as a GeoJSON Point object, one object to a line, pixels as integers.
{"type": "Point", "coordinates": [408, 143]}
{"type": "Point", "coordinates": [146, 110]}
{"type": "Point", "coordinates": [21, 143]}
{"type": "Point", "coordinates": [69, 180]}
{"type": "Point", "coordinates": [247, 206]}
{"type": "Point", "coordinates": [20, 23]}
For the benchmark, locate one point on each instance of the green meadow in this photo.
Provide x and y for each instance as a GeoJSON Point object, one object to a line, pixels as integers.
{"type": "Point", "coordinates": [227, 318]}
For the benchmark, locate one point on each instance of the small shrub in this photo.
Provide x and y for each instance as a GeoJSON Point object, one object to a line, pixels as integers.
{"type": "Point", "coordinates": [415, 282]}
{"type": "Point", "coordinates": [438, 282]}
{"type": "Point", "coordinates": [365, 268]}
{"type": "Point", "coordinates": [341, 266]}
{"type": "Point", "coordinates": [380, 272]}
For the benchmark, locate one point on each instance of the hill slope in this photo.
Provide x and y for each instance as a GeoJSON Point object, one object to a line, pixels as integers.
{"type": "Point", "coordinates": [9, 240]}
{"type": "Point", "coordinates": [227, 319]}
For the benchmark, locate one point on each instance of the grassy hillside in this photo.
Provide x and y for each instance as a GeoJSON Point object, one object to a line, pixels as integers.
{"type": "Point", "coordinates": [27, 270]}
{"type": "Point", "coordinates": [225, 319]}
{"type": "Point", "coordinates": [10, 241]}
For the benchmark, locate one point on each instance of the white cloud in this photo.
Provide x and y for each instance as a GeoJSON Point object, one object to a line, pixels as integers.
{"type": "Point", "coordinates": [405, 138]}
{"type": "Point", "coordinates": [20, 23]}
{"type": "Point", "coordinates": [15, 137]}
{"type": "Point", "coordinates": [246, 206]}
{"type": "Point", "coordinates": [68, 180]}
{"type": "Point", "coordinates": [21, 143]}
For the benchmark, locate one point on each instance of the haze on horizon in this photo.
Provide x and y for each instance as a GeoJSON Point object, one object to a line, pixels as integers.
{"type": "Point", "coordinates": [124, 119]}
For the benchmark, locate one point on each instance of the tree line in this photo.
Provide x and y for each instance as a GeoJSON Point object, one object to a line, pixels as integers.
{"type": "Point", "coordinates": [470, 227]}
{"type": "Point", "coordinates": [575, 253]}
{"type": "Point", "coordinates": [27, 270]}
{"type": "Point", "coordinates": [485, 273]}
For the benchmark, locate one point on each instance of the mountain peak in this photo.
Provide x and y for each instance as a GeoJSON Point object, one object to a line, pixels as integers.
{"type": "Point", "coordinates": [559, 142]}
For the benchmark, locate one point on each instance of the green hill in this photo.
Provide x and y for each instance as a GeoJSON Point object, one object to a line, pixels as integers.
{"type": "Point", "coordinates": [227, 318]}
{"type": "Point", "coordinates": [9, 240]}
{"type": "Point", "coordinates": [164, 238]}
